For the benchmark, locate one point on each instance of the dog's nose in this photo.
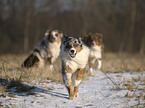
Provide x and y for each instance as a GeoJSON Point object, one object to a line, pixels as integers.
{"type": "Point", "coordinates": [72, 51]}
{"type": "Point", "coordinates": [52, 39]}
{"type": "Point", "coordinates": [93, 43]}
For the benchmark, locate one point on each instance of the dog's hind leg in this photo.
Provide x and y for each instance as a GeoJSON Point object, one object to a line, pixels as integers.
{"type": "Point", "coordinates": [80, 75]}
{"type": "Point", "coordinates": [30, 61]}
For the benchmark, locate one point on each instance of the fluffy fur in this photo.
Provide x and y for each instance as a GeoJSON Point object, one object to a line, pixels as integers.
{"type": "Point", "coordinates": [74, 59]}
{"type": "Point", "coordinates": [46, 51]}
{"type": "Point", "coordinates": [94, 42]}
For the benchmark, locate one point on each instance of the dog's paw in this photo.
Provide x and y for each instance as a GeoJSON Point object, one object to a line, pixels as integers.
{"type": "Point", "coordinates": [76, 94]}
{"type": "Point", "coordinates": [71, 97]}
{"type": "Point", "coordinates": [91, 72]}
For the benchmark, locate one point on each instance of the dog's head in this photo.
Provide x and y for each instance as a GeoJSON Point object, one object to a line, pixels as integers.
{"type": "Point", "coordinates": [72, 45]}
{"type": "Point", "coordinates": [93, 39]}
{"type": "Point", "coordinates": [53, 35]}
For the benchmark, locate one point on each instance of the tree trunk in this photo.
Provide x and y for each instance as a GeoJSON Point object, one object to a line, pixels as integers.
{"type": "Point", "coordinates": [37, 32]}
{"type": "Point", "coordinates": [142, 44]}
{"type": "Point", "coordinates": [26, 32]}
{"type": "Point", "coordinates": [29, 11]}
{"type": "Point", "coordinates": [132, 25]}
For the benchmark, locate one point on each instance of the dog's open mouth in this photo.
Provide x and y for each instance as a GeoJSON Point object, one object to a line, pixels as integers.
{"type": "Point", "coordinates": [72, 55]}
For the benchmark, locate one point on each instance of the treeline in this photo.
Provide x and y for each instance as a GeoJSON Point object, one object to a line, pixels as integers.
{"type": "Point", "coordinates": [24, 22]}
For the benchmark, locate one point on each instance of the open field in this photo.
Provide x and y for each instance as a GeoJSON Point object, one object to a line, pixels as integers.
{"type": "Point", "coordinates": [10, 66]}
{"type": "Point", "coordinates": [123, 72]}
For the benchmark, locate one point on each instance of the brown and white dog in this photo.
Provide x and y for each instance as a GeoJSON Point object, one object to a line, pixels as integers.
{"type": "Point", "coordinates": [46, 51]}
{"type": "Point", "coordinates": [74, 59]}
{"type": "Point", "coordinates": [94, 42]}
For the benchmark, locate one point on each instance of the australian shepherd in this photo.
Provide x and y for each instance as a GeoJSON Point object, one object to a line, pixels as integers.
{"type": "Point", "coordinates": [94, 42]}
{"type": "Point", "coordinates": [74, 59]}
{"type": "Point", "coordinates": [46, 51]}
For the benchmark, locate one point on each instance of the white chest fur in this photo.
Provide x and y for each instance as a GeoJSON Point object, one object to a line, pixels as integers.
{"type": "Point", "coordinates": [79, 61]}
{"type": "Point", "coordinates": [54, 49]}
{"type": "Point", "coordinates": [95, 51]}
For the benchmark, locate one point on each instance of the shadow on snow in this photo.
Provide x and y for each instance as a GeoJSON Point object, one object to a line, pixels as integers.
{"type": "Point", "coordinates": [20, 89]}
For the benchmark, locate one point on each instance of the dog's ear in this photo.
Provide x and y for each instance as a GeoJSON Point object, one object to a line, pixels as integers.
{"type": "Point", "coordinates": [65, 36]}
{"type": "Point", "coordinates": [86, 35]}
{"type": "Point", "coordinates": [80, 38]}
{"type": "Point", "coordinates": [47, 32]}
{"type": "Point", "coordinates": [85, 39]}
{"type": "Point", "coordinates": [60, 34]}
{"type": "Point", "coordinates": [80, 41]}
{"type": "Point", "coordinates": [99, 35]}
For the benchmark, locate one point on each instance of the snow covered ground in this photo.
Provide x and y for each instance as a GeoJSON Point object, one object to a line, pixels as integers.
{"type": "Point", "coordinates": [94, 92]}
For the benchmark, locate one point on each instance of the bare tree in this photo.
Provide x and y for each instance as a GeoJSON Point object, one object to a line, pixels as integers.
{"type": "Point", "coordinates": [142, 46]}
{"type": "Point", "coordinates": [132, 25]}
{"type": "Point", "coordinates": [122, 23]}
{"type": "Point", "coordinates": [29, 11]}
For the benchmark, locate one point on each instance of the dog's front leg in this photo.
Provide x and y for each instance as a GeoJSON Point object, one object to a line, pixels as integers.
{"type": "Point", "coordinates": [50, 61]}
{"type": "Point", "coordinates": [70, 91]}
{"type": "Point", "coordinates": [99, 63]}
{"type": "Point", "coordinates": [91, 65]}
{"type": "Point", "coordinates": [80, 75]}
{"type": "Point", "coordinates": [68, 81]}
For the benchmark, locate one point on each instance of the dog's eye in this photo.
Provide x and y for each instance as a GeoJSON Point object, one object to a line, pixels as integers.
{"type": "Point", "coordinates": [75, 42]}
{"type": "Point", "coordinates": [75, 45]}
{"type": "Point", "coordinates": [56, 34]}
{"type": "Point", "coordinates": [68, 45]}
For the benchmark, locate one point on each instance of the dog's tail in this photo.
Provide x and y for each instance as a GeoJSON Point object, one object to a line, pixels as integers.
{"type": "Point", "coordinates": [30, 61]}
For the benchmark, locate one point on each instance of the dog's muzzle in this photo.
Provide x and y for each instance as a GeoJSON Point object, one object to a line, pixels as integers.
{"type": "Point", "coordinates": [52, 39]}
{"type": "Point", "coordinates": [72, 52]}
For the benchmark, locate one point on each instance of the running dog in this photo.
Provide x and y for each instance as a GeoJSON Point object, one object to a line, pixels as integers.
{"type": "Point", "coordinates": [94, 42]}
{"type": "Point", "coordinates": [74, 59]}
{"type": "Point", "coordinates": [46, 51]}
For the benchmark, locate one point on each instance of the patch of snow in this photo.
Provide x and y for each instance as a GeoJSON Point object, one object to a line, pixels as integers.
{"type": "Point", "coordinates": [95, 92]}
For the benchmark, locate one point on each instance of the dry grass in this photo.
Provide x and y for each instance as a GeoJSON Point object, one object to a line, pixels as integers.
{"type": "Point", "coordinates": [123, 62]}
{"type": "Point", "coordinates": [12, 74]}
{"type": "Point", "coordinates": [133, 86]}
{"type": "Point", "coordinates": [10, 67]}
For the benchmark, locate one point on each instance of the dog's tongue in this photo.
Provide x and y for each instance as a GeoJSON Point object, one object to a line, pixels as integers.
{"type": "Point", "coordinates": [73, 55]}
